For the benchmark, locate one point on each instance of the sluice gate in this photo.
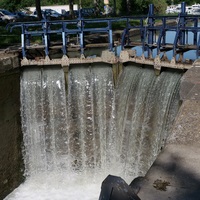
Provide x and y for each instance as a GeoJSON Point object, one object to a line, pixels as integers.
{"type": "Point", "coordinates": [74, 35]}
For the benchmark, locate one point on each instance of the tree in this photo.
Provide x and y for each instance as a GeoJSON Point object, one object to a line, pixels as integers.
{"type": "Point", "coordinates": [123, 8]}
{"type": "Point", "coordinates": [38, 9]}
{"type": "Point", "coordinates": [71, 10]}
{"type": "Point", "coordinates": [114, 7]}
{"type": "Point", "coordinates": [97, 7]}
{"type": "Point", "coordinates": [135, 7]}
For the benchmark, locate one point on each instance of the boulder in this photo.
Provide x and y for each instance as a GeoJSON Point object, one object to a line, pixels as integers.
{"type": "Point", "coordinates": [115, 188]}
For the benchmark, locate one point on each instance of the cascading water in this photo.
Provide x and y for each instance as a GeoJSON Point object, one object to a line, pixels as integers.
{"type": "Point", "coordinates": [44, 120]}
{"type": "Point", "coordinates": [90, 103]}
{"type": "Point", "coordinates": [72, 142]}
{"type": "Point", "coordinates": [146, 107]}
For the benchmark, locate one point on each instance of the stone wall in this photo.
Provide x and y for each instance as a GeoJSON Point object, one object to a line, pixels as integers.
{"type": "Point", "coordinates": [11, 164]}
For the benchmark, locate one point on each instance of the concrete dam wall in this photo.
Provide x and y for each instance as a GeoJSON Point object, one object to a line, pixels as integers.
{"type": "Point", "coordinates": [11, 167]}
{"type": "Point", "coordinates": [183, 138]}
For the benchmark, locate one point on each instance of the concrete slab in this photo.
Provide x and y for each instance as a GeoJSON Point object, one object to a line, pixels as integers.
{"type": "Point", "coordinates": [174, 175]}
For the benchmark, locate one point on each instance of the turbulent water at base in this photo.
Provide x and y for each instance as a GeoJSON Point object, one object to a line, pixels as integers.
{"type": "Point", "coordinates": [75, 136]}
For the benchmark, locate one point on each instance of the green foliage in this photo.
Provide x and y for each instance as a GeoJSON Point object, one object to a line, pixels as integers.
{"type": "Point", "coordinates": [123, 7]}
{"type": "Point", "coordinates": [16, 4]}
{"type": "Point", "coordinates": [141, 7]}
{"type": "Point", "coordinates": [159, 6]}
{"type": "Point", "coordinates": [53, 2]}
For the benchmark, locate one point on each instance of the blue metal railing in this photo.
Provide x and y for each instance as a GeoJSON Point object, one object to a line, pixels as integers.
{"type": "Point", "coordinates": [43, 29]}
{"type": "Point", "coordinates": [148, 32]}
{"type": "Point", "coordinates": [152, 36]}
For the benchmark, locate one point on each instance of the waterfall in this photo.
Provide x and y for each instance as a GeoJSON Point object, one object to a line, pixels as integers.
{"type": "Point", "coordinates": [91, 113]}
{"type": "Point", "coordinates": [44, 120]}
{"type": "Point", "coordinates": [146, 107]}
{"type": "Point", "coordinates": [75, 136]}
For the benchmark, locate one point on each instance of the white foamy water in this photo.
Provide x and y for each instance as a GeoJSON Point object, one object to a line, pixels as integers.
{"type": "Point", "coordinates": [57, 187]}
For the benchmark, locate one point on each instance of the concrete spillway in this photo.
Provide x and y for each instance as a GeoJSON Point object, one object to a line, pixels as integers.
{"type": "Point", "coordinates": [95, 129]}
{"type": "Point", "coordinates": [172, 167]}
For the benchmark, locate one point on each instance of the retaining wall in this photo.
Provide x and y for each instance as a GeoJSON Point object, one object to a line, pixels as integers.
{"type": "Point", "coordinates": [11, 165]}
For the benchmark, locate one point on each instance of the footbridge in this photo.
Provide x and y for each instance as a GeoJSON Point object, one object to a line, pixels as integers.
{"type": "Point", "coordinates": [148, 35]}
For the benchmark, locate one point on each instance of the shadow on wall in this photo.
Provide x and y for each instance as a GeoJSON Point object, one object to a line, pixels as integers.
{"type": "Point", "coordinates": [11, 164]}
{"type": "Point", "coordinates": [171, 178]}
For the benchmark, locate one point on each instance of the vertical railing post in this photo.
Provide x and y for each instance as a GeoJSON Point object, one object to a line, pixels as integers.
{"type": "Point", "coordinates": [197, 50]}
{"type": "Point", "coordinates": [27, 36]}
{"type": "Point", "coordinates": [125, 35]}
{"type": "Point", "coordinates": [151, 21]}
{"type": "Point", "coordinates": [164, 31]}
{"type": "Point", "coordinates": [81, 35]}
{"type": "Point", "coordinates": [162, 36]}
{"type": "Point", "coordinates": [142, 36]}
{"type": "Point", "coordinates": [64, 39]}
{"type": "Point", "coordinates": [180, 32]}
{"type": "Point", "coordinates": [80, 26]}
{"type": "Point", "coordinates": [123, 39]}
{"type": "Point", "coordinates": [23, 42]}
{"type": "Point", "coordinates": [182, 23]}
{"type": "Point", "coordinates": [45, 27]}
{"type": "Point", "coordinates": [110, 36]}
{"type": "Point", "coordinates": [195, 31]}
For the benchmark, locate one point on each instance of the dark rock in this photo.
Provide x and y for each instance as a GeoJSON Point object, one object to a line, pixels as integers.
{"type": "Point", "coordinates": [136, 184]}
{"type": "Point", "coordinates": [115, 188]}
